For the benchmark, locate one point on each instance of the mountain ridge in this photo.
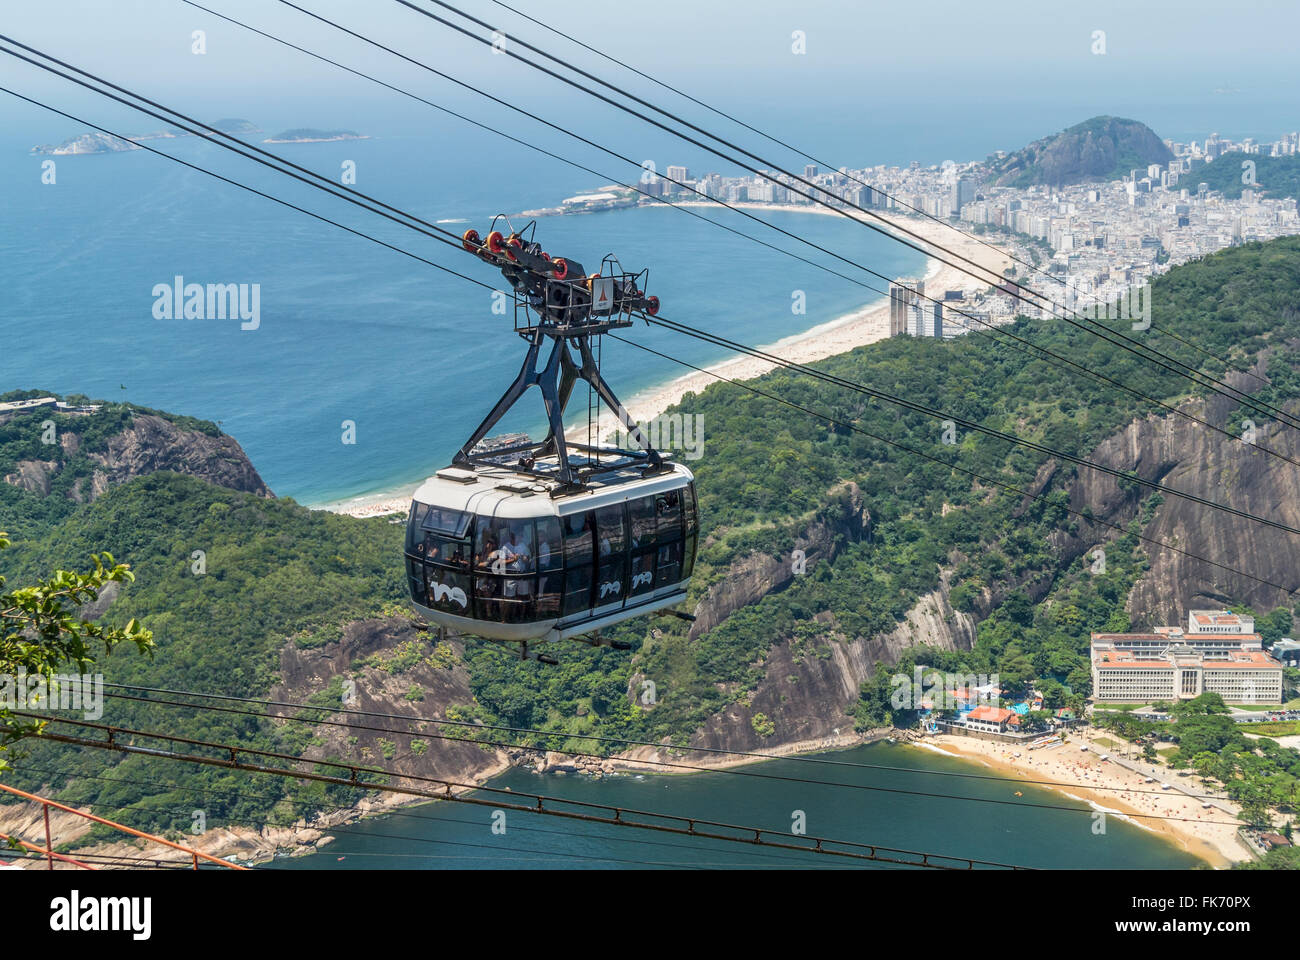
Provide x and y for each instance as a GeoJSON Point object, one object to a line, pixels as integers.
{"type": "Point", "coordinates": [1099, 148]}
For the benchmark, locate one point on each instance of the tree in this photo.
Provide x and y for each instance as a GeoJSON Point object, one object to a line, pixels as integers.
{"type": "Point", "coordinates": [1279, 858]}
{"type": "Point", "coordinates": [1035, 720]}
{"type": "Point", "coordinates": [1274, 626]}
{"type": "Point", "coordinates": [1207, 704]}
{"type": "Point", "coordinates": [1080, 679]}
{"type": "Point", "coordinates": [1200, 733]}
{"type": "Point", "coordinates": [1255, 812]}
{"type": "Point", "coordinates": [1205, 764]}
{"type": "Point", "coordinates": [41, 631]}
{"type": "Point", "coordinates": [1053, 694]}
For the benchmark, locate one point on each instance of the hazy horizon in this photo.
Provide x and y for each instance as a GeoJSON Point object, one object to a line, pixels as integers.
{"type": "Point", "coordinates": [929, 82]}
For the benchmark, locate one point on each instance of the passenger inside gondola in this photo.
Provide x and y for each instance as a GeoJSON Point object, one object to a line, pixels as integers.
{"type": "Point", "coordinates": [641, 512]}
{"type": "Point", "coordinates": [550, 553]}
{"type": "Point", "coordinates": [595, 561]}
{"type": "Point", "coordinates": [485, 587]}
{"type": "Point", "coordinates": [549, 560]}
{"type": "Point", "coordinates": [517, 547]}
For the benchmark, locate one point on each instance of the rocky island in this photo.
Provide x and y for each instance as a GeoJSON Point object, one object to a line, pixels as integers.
{"type": "Point", "coordinates": [87, 143]}
{"type": "Point", "coordinates": [94, 142]}
{"type": "Point", "coordinates": [309, 135]}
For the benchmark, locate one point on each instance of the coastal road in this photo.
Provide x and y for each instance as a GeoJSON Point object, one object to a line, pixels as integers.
{"type": "Point", "coordinates": [1166, 775]}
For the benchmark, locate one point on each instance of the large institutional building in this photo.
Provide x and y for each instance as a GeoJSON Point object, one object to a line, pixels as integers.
{"type": "Point", "coordinates": [1217, 652]}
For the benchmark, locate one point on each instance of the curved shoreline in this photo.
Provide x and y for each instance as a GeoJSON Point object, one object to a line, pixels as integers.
{"type": "Point", "coordinates": [1107, 788]}
{"type": "Point", "coordinates": [640, 760]}
{"type": "Point", "coordinates": [864, 325]}
{"type": "Point", "coordinates": [254, 847]}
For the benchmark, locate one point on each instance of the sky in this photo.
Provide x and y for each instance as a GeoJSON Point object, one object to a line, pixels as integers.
{"type": "Point", "coordinates": [929, 78]}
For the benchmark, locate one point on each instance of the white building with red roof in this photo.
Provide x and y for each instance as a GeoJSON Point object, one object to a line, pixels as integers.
{"type": "Point", "coordinates": [991, 719]}
{"type": "Point", "coordinates": [1219, 652]}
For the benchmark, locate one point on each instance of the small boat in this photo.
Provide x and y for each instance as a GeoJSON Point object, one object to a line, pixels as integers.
{"type": "Point", "coordinates": [1019, 794]}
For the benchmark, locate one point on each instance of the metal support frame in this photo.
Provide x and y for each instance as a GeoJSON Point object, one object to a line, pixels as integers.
{"type": "Point", "coordinates": [556, 381]}
{"type": "Point", "coordinates": [51, 856]}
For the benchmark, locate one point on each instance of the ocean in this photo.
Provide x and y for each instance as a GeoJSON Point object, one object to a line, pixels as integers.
{"type": "Point", "coordinates": [350, 331]}
{"type": "Point", "coordinates": [998, 826]}
{"type": "Point", "coordinates": [412, 357]}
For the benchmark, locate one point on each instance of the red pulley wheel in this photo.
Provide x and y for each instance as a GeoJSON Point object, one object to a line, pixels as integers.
{"type": "Point", "coordinates": [560, 268]}
{"type": "Point", "coordinates": [495, 242]}
{"type": "Point", "coordinates": [515, 243]}
{"type": "Point", "coordinates": [652, 306]}
{"type": "Point", "coordinates": [470, 241]}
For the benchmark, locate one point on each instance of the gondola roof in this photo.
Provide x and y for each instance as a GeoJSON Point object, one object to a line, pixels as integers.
{"type": "Point", "coordinates": [503, 492]}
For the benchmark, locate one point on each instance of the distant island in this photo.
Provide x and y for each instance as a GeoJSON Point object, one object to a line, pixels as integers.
{"type": "Point", "coordinates": [310, 135]}
{"type": "Point", "coordinates": [87, 143]}
{"type": "Point", "coordinates": [236, 125]}
{"type": "Point", "coordinates": [95, 142]}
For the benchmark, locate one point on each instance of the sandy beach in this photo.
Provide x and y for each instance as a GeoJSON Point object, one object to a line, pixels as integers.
{"type": "Point", "coordinates": [867, 324]}
{"type": "Point", "coordinates": [1210, 834]}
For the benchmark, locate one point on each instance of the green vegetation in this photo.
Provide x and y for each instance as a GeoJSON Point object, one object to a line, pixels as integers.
{"type": "Point", "coordinates": [22, 438]}
{"type": "Point", "coordinates": [274, 569]}
{"type": "Point", "coordinates": [1276, 177]}
{"type": "Point", "coordinates": [1283, 728]}
{"type": "Point", "coordinates": [279, 575]}
{"type": "Point", "coordinates": [1100, 148]}
{"type": "Point", "coordinates": [1256, 773]}
{"type": "Point", "coordinates": [756, 497]}
{"type": "Point", "coordinates": [41, 631]}
{"type": "Point", "coordinates": [1280, 858]}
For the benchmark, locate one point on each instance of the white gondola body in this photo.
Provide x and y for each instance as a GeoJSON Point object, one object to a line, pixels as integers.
{"type": "Point", "coordinates": [491, 554]}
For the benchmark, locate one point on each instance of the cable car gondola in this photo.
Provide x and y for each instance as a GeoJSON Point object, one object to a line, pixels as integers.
{"type": "Point", "coordinates": [535, 541]}
{"type": "Point", "coordinates": [490, 553]}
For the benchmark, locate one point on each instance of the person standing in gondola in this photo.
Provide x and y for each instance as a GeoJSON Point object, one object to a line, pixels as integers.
{"type": "Point", "coordinates": [486, 586]}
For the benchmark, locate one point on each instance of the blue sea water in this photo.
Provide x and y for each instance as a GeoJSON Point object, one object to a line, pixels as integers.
{"type": "Point", "coordinates": [350, 330]}
{"type": "Point", "coordinates": [917, 805]}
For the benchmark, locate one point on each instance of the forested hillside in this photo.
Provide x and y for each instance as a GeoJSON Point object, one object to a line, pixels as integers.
{"type": "Point", "coordinates": [1275, 176]}
{"type": "Point", "coordinates": [281, 577]}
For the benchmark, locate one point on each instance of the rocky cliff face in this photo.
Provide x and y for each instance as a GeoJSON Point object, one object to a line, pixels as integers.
{"type": "Point", "coordinates": [152, 444]}
{"type": "Point", "coordinates": [1100, 148]}
{"type": "Point", "coordinates": [810, 689]}
{"type": "Point", "coordinates": [400, 671]}
{"type": "Point", "coordinates": [808, 694]}
{"type": "Point", "coordinates": [149, 445]}
{"type": "Point", "coordinates": [844, 520]}
{"type": "Point", "coordinates": [1186, 456]}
